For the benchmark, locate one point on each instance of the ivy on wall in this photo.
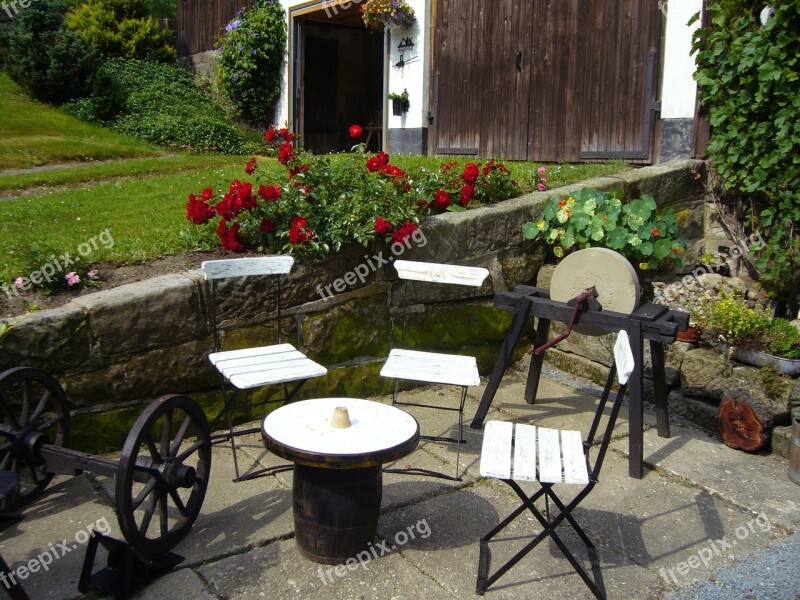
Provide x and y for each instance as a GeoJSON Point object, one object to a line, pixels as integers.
{"type": "Point", "coordinates": [749, 82]}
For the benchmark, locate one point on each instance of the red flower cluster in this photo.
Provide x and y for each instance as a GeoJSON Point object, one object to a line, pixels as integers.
{"type": "Point", "coordinates": [467, 194]}
{"type": "Point", "coordinates": [285, 153]}
{"type": "Point", "coordinates": [300, 232]}
{"type": "Point", "coordinates": [239, 198]}
{"type": "Point", "coordinates": [267, 226]}
{"type": "Point", "coordinates": [441, 199]}
{"type": "Point", "coordinates": [356, 131]}
{"type": "Point", "coordinates": [493, 166]}
{"type": "Point", "coordinates": [229, 237]}
{"type": "Point", "coordinates": [377, 162]}
{"type": "Point", "coordinates": [402, 233]}
{"type": "Point", "coordinates": [270, 193]}
{"type": "Point", "coordinates": [251, 166]}
{"type": "Point", "coordinates": [198, 210]}
{"type": "Point", "coordinates": [470, 175]}
{"type": "Point", "coordinates": [283, 133]}
{"type": "Point", "coordinates": [382, 226]}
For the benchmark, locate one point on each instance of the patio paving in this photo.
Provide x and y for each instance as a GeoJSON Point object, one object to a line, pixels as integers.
{"type": "Point", "coordinates": [700, 509]}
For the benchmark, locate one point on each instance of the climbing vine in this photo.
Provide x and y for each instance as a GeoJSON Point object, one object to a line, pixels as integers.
{"type": "Point", "coordinates": [749, 82]}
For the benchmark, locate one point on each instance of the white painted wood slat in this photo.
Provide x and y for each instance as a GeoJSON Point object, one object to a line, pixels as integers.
{"type": "Point", "coordinates": [432, 367]}
{"type": "Point", "coordinates": [496, 449]}
{"type": "Point", "coordinates": [525, 453]}
{"type": "Point", "coordinates": [574, 458]}
{"type": "Point", "coordinates": [549, 456]}
{"type": "Point", "coordinates": [243, 267]}
{"type": "Point", "coordinates": [253, 367]}
{"type": "Point", "coordinates": [441, 273]}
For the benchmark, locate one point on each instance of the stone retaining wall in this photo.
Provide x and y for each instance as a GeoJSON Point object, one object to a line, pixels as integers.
{"type": "Point", "coordinates": [116, 350]}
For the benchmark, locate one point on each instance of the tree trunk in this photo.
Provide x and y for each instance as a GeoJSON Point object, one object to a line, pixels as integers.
{"type": "Point", "coordinates": [744, 422]}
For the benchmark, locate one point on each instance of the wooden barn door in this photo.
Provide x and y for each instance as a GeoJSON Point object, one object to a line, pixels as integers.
{"type": "Point", "coordinates": [545, 80]}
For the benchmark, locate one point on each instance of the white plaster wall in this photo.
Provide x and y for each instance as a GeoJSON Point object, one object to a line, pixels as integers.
{"type": "Point", "coordinates": [678, 87]}
{"type": "Point", "coordinates": [413, 76]}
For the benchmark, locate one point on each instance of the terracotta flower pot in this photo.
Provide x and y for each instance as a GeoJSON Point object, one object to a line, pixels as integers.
{"type": "Point", "coordinates": [691, 335]}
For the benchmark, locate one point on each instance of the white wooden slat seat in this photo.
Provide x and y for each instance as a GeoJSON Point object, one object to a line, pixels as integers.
{"type": "Point", "coordinates": [247, 368]}
{"type": "Point", "coordinates": [548, 457]}
{"type": "Point", "coordinates": [560, 454]}
{"type": "Point", "coordinates": [432, 367]}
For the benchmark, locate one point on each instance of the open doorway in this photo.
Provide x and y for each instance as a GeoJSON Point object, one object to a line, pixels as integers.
{"type": "Point", "coordinates": [338, 80]}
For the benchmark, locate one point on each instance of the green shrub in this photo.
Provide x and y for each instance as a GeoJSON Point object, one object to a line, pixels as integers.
{"type": "Point", "coordinates": [49, 62]}
{"type": "Point", "coordinates": [250, 60]}
{"type": "Point", "coordinates": [158, 103]}
{"type": "Point", "coordinates": [122, 28]}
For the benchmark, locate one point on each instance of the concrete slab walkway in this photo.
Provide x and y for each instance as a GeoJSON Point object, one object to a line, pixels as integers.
{"type": "Point", "coordinates": [702, 513]}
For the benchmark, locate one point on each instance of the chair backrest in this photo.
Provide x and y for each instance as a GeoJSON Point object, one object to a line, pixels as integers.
{"type": "Point", "coordinates": [437, 273]}
{"type": "Point", "coordinates": [214, 270]}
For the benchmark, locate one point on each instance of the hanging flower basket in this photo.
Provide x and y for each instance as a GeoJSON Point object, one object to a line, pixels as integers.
{"type": "Point", "coordinates": [380, 14]}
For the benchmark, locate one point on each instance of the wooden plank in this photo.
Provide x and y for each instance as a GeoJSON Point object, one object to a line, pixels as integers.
{"type": "Point", "coordinates": [496, 450]}
{"type": "Point", "coordinates": [244, 267]}
{"type": "Point", "coordinates": [254, 367]}
{"type": "Point", "coordinates": [549, 456]}
{"type": "Point", "coordinates": [441, 273]}
{"type": "Point", "coordinates": [525, 453]}
{"type": "Point", "coordinates": [574, 457]}
{"type": "Point", "coordinates": [432, 367]}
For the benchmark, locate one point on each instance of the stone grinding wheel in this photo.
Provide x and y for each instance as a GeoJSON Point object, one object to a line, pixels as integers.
{"type": "Point", "coordinates": [612, 276]}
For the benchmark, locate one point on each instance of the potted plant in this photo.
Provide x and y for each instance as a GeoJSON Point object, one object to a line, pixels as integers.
{"type": "Point", "coordinates": [750, 335]}
{"type": "Point", "coordinates": [380, 14]}
{"type": "Point", "coordinates": [400, 103]}
{"type": "Point", "coordinates": [649, 238]}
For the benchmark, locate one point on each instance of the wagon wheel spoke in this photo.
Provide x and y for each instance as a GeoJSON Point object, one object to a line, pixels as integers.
{"type": "Point", "coordinates": [179, 503]}
{"type": "Point", "coordinates": [189, 451]}
{"type": "Point", "coordinates": [26, 394]}
{"type": "Point", "coordinates": [146, 491]}
{"type": "Point", "coordinates": [176, 443]}
{"type": "Point", "coordinates": [37, 413]}
{"type": "Point", "coordinates": [45, 425]}
{"type": "Point", "coordinates": [148, 515]}
{"type": "Point", "coordinates": [164, 518]}
{"type": "Point", "coordinates": [11, 418]}
{"type": "Point", "coordinates": [151, 445]}
{"type": "Point", "coordinates": [4, 462]}
{"type": "Point", "coordinates": [165, 431]}
{"type": "Point", "coordinates": [5, 446]}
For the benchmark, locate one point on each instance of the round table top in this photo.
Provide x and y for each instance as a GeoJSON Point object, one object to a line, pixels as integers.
{"type": "Point", "coordinates": [302, 432]}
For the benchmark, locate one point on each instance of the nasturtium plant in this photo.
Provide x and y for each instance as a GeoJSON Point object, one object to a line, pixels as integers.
{"type": "Point", "coordinates": [591, 218]}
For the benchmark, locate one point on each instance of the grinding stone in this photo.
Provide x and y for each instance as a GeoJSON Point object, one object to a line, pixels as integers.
{"type": "Point", "coordinates": [609, 272]}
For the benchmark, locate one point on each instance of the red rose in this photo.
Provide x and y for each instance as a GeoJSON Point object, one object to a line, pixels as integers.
{"type": "Point", "coordinates": [285, 153]}
{"type": "Point", "coordinates": [373, 164]}
{"type": "Point", "coordinates": [299, 222]}
{"type": "Point", "coordinates": [299, 232]}
{"type": "Point", "coordinates": [250, 166]}
{"type": "Point", "coordinates": [208, 194]}
{"type": "Point", "coordinates": [441, 199]}
{"type": "Point", "coordinates": [356, 131]}
{"type": "Point", "coordinates": [422, 205]}
{"type": "Point", "coordinates": [269, 134]}
{"type": "Point", "coordinates": [269, 193]}
{"type": "Point", "coordinates": [470, 175]}
{"type": "Point", "coordinates": [283, 132]}
{"type": "Point", "coordinates": [467, 194]}
{"type": "Point", "coordinates": [392, 171]}
{"type": "Point", "coordinates": [382, 226]}
{"type": "Point", "coordinates": [403, 232]}
{"type": "Point", "coordinates": [228, 237]}
{"type": "Point", "coordinates": [198, 211]}
{"type": "Point", "coordinates": [267, 226]}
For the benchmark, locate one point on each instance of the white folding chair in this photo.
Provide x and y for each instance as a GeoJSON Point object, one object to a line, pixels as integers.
{"type": "Point", "coordinates": [548, 457]}
{"type": "Point", "coordinates": [247, 368]}
{"type": "Point", "coordinates": [435, 367]}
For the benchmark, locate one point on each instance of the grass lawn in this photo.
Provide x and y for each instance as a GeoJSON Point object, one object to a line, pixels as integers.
{"type": "Point", "coordinates": [37, 134]}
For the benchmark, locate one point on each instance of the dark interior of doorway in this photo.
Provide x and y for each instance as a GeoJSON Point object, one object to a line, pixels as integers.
{"type": "Point", "coordinates": [343, 85]}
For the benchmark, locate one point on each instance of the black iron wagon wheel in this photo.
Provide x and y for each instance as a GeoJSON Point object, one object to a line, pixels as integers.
{"type": "Point", "coordinates": [33, 409]}
{"type": "Point", "coordinates": [163, 474]}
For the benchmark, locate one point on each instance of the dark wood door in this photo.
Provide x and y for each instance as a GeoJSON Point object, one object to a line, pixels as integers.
{"type": "Point", "coordinates": [545, 80]}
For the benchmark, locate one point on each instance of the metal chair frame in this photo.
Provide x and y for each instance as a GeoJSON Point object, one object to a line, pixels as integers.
{"type": "Point", "coordinates": [546, 490]}
{"type": "Point", "coordinates": [276, 266]}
